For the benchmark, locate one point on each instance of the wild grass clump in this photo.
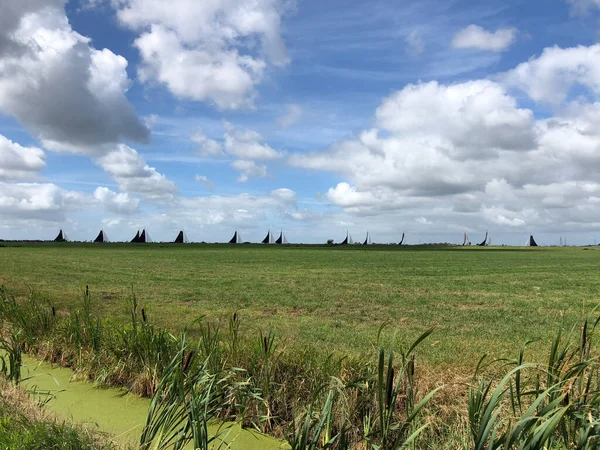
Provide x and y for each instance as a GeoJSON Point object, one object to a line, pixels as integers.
{"type": "Point", "coordinates": [35, 317]}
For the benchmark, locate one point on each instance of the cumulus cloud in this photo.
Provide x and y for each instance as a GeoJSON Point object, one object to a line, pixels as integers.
{"type": "Point", "coordinates": [476, 37]}
{"type": "Point", "coordinates": [120, 203]}
{"type": "Point", "coordinates": [293, 114]}
{"type": "Point", "coordinates": [477, 118]}
{"type": "Point", "coordinates": [10, 19]}
{"type": "Point", "coordinates": [211, 51]}
{"type": "Point", "coordinates": [345, 195]}
{"type": "Point", "coordinates": [46, 67]}
{"type": "Point", "coordinates": [285, 196]}
{"type": "Point", "coordinates": [550, 77]}
{"type": "Point", "coordinates": [26, 209]}
{"type": "Point", "coordinates": [40, 201]}
{"type": "Point", "coordinates": [468, 153]}
{"type": "Point", "coordinates": [18, 162]}
{"type": "Point", "coordinates": [439, 139]}
{"type": "Point", "coordinates": [248, 169]}
{"type": "Point", "coordinates": [129, 169]}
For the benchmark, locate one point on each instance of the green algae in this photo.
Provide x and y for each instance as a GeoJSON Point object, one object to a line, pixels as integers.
{"type": "Point", "coordinates": [114, 411]}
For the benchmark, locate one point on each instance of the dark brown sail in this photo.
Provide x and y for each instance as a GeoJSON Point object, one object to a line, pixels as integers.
{"type": "Point", "coordinates": [100, 237]}
{"type": "Point", "coordinates": [267, 239]}
{"type": "Point", "coordinates": [484, 242]}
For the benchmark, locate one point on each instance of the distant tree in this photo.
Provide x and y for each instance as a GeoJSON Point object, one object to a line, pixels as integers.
{"type": "Point", "coordinates": [329, 241]}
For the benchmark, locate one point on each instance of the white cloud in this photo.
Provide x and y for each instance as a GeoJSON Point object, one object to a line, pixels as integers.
{"type": "Point", "coordinates": [204, 180]}
{"type": "Point", "coordinates": [132, 173]}
{"type": "Point", "coordinates": [242, 210]}
{"type": "Point", "coordinates": [12, 12]}
{"type": "Point", "coordinates": [415, 42]}
{"type": "Point", "coordinates": [467, 155]}
{"type": "Point", "coordinates": [248, 169]}
{"type": "Point", "coordinates": [476, 118]}
{"type": "Point", "coordinates": [18, 162]}
{"type": "Point", "coordinates": [34, 204]}
{"type": "Point", "coordinates": [210, 51]}
{"type": "Point", "coordinates": [224, 78]}
{"type": "Point", "coordinates": [432, 140]}
{"type": "Point", "coordinates": [120, 203]}
{"type": "Point", "coordinates": [40, 201]}
{"type": "Point", "coordinates": [285, 196]}
{"type": "Point", "coordinates": [293, 114]}
{"type": "Point", "coordinates": [476, 37]}
{"type": "Point", "coordinates": [550, 77]}
{"type": "Point", "coordinates": [63, 90]}
{"type": "Point", "coordinates": [347, 196]}
{"type": "Point", "coordinates": [248, 145]}
{"type": "Point", "coordinates": [207, 146]}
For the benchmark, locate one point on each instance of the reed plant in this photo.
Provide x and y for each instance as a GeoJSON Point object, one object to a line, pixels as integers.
{"type": "Point", "coordinates": [188, 398]}
{"type": "Point", "coordinates": [538, 407]}
{"type": "Point", "coordinates": [11, 358]}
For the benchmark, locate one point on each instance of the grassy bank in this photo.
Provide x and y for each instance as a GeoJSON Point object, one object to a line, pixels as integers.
{"type": "Point", "coordinates": [315, 399]}
{"type": "Point", "coordinates": [478, 298]}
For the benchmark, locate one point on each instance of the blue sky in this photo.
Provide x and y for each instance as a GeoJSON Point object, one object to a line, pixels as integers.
{"type": "Point", "coordinates": [431, 118]}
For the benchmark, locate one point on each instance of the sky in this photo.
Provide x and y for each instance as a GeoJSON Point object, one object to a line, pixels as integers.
{"type": "Point", "coordinates": [430, 118]}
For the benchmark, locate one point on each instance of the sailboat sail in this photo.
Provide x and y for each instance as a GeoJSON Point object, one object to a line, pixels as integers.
{"type": "Point", "coordinates": [144, 237]}
{"type": "Point", "coordinates": [484, 242]}
{"type": "Point", "coordinates": [101, 237]}
{"type": "Point", "coordinates": [367, 239]}
{"type": "Point", "coordinates": [267, 239]}
{"type": "Point", "coordinates": [61, 237]}
{"type": "Point", "coordinates": [345, 241]}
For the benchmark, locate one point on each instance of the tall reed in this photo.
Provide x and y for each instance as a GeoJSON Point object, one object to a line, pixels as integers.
{"type": "Point", "coordinates": [537, 407]}
{"type": "Point", "coordinates": [187, 399]}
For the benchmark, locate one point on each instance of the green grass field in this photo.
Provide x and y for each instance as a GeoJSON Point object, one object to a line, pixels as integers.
{"type": "Point", "coordinates": [481, 300]}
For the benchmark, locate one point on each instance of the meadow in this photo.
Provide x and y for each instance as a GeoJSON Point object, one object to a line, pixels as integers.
{"type": "Point", "coordinates": [324, 347]}
{"type": "Point", "coordinates": [480, 300]}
